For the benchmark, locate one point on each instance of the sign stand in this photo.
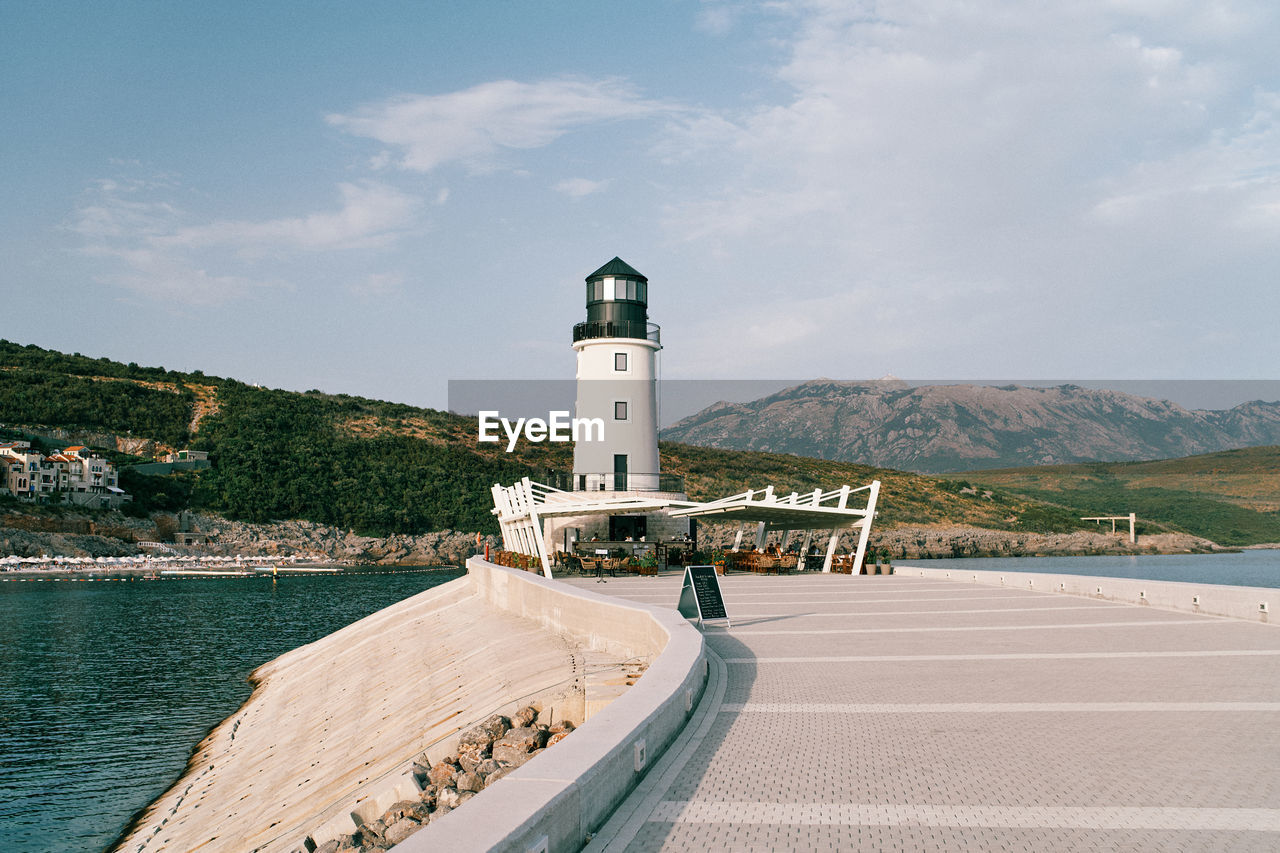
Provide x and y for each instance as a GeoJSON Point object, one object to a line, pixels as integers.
{"type": "Point", "coordinates": [700, 596]}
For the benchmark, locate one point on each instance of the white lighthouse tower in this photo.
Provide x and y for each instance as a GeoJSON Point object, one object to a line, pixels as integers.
{"type": "Point", "coordinates": [617, 350]}
{"type": "Point", "coordinates": [616, 474]}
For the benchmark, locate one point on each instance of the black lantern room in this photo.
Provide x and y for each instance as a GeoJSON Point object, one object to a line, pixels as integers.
{"type": "Point", "coordinates": [617, 304]}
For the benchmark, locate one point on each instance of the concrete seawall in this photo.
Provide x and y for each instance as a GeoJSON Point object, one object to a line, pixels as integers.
{"type": "Point", "coordinates": [330, 733]}
{"type": "Point", "coordinates": [556, 801]}
{"type": "Point", "coordinates": [1238, 602]}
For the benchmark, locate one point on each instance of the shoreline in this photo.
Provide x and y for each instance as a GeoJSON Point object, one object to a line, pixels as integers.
{"type": "Point", "coordinates": [156, 573]}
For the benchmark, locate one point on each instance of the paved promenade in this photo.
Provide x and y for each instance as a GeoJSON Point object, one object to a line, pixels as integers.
{"type": "Point", "coordinates": [892, 713]}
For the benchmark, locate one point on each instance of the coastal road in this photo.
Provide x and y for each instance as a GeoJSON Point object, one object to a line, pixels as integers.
{"type": "Point", "coordinates": [897, 713]}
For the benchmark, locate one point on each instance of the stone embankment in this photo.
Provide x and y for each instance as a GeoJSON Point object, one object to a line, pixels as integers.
{"type": "Point", "coordinates": [913, 543]}
{"type": "Point", "coordinates": [117, 535]}
{"type": "Point", "coordinates": [486, 753]}
{"type": "Point", "coordinates": [72, 535]}
{"type": "Point", "coordinates": [924, 542]}
{"type": "Point", "coordinates": [121, 443]}
{"type": "Point", "coordinates": [321, 541]}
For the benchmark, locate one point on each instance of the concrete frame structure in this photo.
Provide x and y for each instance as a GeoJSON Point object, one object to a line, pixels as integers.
{"type": "Point", "coordinates": [1132, 518]}
{"type": "Point", "coordinates": [813, 511]}
{"type": "Point", "coordinates": [523, 508]}
{"type": "Point", "coordinates": [617, 351]}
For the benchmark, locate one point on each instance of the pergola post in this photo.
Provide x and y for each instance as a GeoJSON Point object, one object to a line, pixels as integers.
{"type": "Point", "coordinates": [786, 534]}
{"type": "Point", "coordinates": [804, 549]}
{"type": "Point", "coordinates": [835, 532]}
{"type": "Point", "coordinates": [1133, 528]}
{"type": "Point", "coordinates": [866, 526]}
{"type": "Point", "coordinates": [504, 509]}
{"type": "Point", "coordinates": [737, 540]}
{"type": "Point", "coordinates": [540, 541]}
{"type": "Point", "coordinates": [831, 550]}
{"type": "Point", "coordinates": [760, 536]}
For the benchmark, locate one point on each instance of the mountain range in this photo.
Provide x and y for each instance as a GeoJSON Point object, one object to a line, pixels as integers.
{"type": "Point", "coordinates": [949, 428]}
{"type": "Point", "coordinates": [382, 470]}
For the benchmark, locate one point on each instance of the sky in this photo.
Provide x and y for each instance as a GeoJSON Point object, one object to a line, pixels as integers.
{"type": "Point", "coordinates": [378, 198]}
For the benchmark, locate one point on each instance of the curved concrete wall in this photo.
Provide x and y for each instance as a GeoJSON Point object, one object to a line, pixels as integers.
{"type": "Point", "coordinates": [1238, 602]}
{"type": "Point", "coordinates": [332, 728]}
{"type": "Point", "coordinates": [555, 801]}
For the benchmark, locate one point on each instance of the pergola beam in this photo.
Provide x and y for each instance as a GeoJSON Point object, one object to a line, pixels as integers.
{"type": "Point", "coordinates": [1132, 518]}
{"type": "Point", "coordinates": [522, 508]}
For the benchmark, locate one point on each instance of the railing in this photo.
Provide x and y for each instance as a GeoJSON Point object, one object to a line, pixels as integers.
{"type": "Point", "coordinates": [625, 329]}
{"type": "Point", "coordinates": [615, 482]}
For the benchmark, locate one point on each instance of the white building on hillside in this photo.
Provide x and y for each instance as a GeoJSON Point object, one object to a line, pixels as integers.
{"type": "Point", "coordinates": [78, 473]}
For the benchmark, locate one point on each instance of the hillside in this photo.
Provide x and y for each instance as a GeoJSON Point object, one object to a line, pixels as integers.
{"type": "Point", "coordinates": [906, 499]}
{"type": "Point", "coordinates": [1232, 497]}
{"type": "Point", "coordinates": [381, 468]}
{"type": "Point", "coordinates": [362, 465]}
{"type": "Point", "coordinates": [373, 468]}
{"type": "Point", "coordinates": [940, 428]}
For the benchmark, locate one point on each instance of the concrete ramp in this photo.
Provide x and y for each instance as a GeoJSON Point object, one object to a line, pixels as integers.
{"type": "Point", "coordinates": [332, 728]}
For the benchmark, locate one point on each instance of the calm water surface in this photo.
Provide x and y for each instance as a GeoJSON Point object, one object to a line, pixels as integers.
{"type": "Point", "coordinates": [1248, 568]}
{"type": "Point", "coordinates": [106, 686]}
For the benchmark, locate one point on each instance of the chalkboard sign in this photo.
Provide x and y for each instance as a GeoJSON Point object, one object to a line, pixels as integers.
{"type": "Point", "coordinates": [700, 595]}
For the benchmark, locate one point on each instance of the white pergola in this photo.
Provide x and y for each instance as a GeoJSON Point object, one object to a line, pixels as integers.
{"type": "Point", "coordinates": [521, 508]}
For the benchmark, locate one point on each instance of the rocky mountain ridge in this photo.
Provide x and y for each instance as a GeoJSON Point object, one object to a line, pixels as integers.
{"type": "Point", "coordinates": [946, 428]}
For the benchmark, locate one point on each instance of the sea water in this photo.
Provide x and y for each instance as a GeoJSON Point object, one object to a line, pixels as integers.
{"type": "Point", "coordinates": [107, 685]}
{"type": "Point", "coordinates": [1246, 568]}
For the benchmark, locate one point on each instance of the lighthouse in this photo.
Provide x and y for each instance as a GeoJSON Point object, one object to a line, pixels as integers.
{"type": "Point", "coordinates": [618, 505]}
{"type": "Point", "coordinates": [617, 385]}
{"type": "Point", "coordinates": [617, 349]}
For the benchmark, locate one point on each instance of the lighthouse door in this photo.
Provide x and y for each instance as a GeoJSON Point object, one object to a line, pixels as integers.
{"type": "Point", "coordinates": [620, 472]}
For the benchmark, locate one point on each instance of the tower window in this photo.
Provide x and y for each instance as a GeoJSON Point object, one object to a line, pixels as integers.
{"type": "Point", "coordinates": [620, 410]}
{"type": "Point", "coordinates": [619, 288]}
{"type": "Point", "coordinates": [620, 362]}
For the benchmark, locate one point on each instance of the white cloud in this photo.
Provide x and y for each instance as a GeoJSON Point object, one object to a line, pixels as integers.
{"type": "Point", "coordinates": [377, 285]}
{"type": "Point", "coordinates": [1031, 157]}
{"type": "Point", "coordinates": [372, 214]}
{"type": "Point", "coordinates": [169, 278]}
{"type": "Point", "coordinates": [580, 187]}
{"type": "Point", "coordinates": [718, 18]}
{"type": "Point", "coordinates": [477, 126]}
{"type": "Point", "coordinates": [148, 245]}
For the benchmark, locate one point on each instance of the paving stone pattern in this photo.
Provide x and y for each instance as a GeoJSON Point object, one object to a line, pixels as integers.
{"type": "Point", "coordinates": [892, 713]}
